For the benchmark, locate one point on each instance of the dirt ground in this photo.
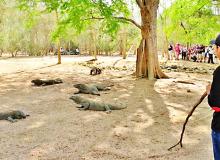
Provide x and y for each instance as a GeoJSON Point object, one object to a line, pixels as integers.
{"type": "Point", "coordinates": [57, 130]}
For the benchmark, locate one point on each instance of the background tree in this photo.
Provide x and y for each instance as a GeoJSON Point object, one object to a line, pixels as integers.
{"type": "Point", "coordinates": [108, 17]}
{"type": "Point", "coordinates": [81, 14]}
{"type": "Point", "coordinates": [191, 23]}
{"type": "Point", "coordinates": [122, 43]}
{"type": "Point", "coordinates": [19, 36]}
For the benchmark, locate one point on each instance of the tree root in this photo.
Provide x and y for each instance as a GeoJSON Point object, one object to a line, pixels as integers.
{"type": "Point", "coordinates": [187, 118]}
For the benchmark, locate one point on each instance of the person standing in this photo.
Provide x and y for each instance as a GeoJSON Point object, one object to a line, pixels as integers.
{"type": "Point", "coordinates": [210, 53]}
{"type": "Point", "coordinates": [184, 52]}
{"type": "Point", "coordinates": [177, 51]}
{"type": "Point", "coordinates": [77, 50]}
{"type": "Point", "coordinates": [213, 92]}
{"type": "Point", "coordinates": [200, 50]}
{"type": "Point", "coordinates": [170, 51]}
{"type": "Point", "coordinates": [189, 53]}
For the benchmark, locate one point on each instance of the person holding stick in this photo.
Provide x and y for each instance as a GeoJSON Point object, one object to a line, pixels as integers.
{"type": "Point", "coordinates": [213, 92]}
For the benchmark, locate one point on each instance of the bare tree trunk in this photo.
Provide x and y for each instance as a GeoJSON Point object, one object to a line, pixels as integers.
{"type": "Point", "coordinates": [93, 38]}
{"type": "Point", "coordinates": [165, 46]}
{"type": "Point", "coordinates": [16, 53]}
{"type": "Point", "coordinates": [58, 42]}
{"type": "Point", "coordinates": [1, 51]}
{"type": "Point", "coordinates": [131, 49]}
{"type": "Point", "coordinates": [94, 46]}
{"type": "Point", "coordinates": [12, 54]}
{"type": "Point", "coordinates": [122, 44]}
{"type": "Point", "coordinates": [165, 38]}
{"type": "Point", "coordinates": [147, 64]}
{"type": "Point", "coordinates": [106, 52]}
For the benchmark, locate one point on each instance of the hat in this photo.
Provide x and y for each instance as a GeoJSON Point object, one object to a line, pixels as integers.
{"type": "Point", "coordinates": [212, 42]}
{"type": "Point", "coordinates": [217, 40]}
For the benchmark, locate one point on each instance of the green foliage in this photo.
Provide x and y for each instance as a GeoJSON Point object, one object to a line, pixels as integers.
{"type": "Point", "coordinates": [191, 21]}
{"type": "Point", "coordinates": [31, 26]}
{"type": "Point", "coordinates": [15, 37]}
{"type": "Point", "coordinates": [80, 14]}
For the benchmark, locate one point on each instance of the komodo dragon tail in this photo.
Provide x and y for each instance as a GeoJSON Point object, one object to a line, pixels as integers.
{"type": "Point", "coordinates": [118, 106]}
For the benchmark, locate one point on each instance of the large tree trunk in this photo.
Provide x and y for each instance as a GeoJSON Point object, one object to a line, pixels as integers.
{"type": "Point", "coordinates": [147, 65]}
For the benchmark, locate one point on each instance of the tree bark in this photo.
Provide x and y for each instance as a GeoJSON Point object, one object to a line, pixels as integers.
{"type": "Point", "coordinates": [122, 44]}
{"type": "Point", "coordinates": [58, 43]}
{"type": "Point", "coordinates": [147, 64]}
{"type": "Point", "coordinates": [165, 49]}
{"type": "Point", "coordinates": [93, 43]}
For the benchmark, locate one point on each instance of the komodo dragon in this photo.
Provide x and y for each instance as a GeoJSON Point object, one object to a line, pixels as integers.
{"type": "Point", "coordinates": [13, 115]}
{"type": "Point", "coordinates": [45, 82]}
{"type": "Point", "coordinates": [91, 88]}
{"type": "Point", "coordinates": [96, 106]}
{"type": "Point", "coordinates": [95, 71]}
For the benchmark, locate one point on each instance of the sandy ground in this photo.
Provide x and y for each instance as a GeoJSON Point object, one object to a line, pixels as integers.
{"type": "Point", "coordinates": [57, 130]}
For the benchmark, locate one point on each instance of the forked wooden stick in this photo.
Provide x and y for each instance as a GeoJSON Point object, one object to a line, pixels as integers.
{"type": "Point", "coordinates": [187, 118]}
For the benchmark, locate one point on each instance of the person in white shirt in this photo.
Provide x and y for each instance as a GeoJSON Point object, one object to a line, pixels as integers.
{"type": "Point", "coordinates": [210, 52]}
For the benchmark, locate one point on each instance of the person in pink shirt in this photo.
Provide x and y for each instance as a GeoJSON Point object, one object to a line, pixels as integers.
{"type": "Point", "coordinates": [177, 51]}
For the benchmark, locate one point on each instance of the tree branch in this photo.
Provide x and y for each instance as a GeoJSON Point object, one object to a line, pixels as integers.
{"type": "Point", "coordinates": [119, 18]}
{"type": "Point", "coordinates": [139, 3]}
{"type": "Point", "coordinates": [181, 24]}
{"type": "Point", "coordinates": [129, 20]}
{"type": "Point", "coordinates": [187, 118]}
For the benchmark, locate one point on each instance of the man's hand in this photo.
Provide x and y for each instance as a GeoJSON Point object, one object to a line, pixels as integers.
{"type": "Point", "coordinates": [208, 88]}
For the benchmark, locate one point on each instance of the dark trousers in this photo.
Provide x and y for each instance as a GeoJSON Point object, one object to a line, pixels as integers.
{"type": "Point", "coordinates": [210, 58]}
{"type": "Point", "coordinates": [184, 55]}
{"type": "Point", "coordinates": [216, 144]}
{"type": "Point", "coordinates": [194, 58]}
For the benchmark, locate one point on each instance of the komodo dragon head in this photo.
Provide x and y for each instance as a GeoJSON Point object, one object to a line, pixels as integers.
{"type": "Point", "coordinates": [19, 115]}
{"type": "Point", "coordinates": [79, 86]}
{"type": "Point", "coordinates": [76, 99]}
{"type": "Point", "coordinates": [58, 80]}
{"type": "Point", "coordinates": [37, 82]}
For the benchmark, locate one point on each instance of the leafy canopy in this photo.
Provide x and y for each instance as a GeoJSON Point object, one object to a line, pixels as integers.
{"type": "Point", "coordinates": [80, 14]}
{"type": "Point", "coordinates": [191, 21]}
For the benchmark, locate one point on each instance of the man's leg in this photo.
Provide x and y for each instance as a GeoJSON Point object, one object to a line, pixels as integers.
{"type": "Point", "coordinates": [212, 59]}
{"type": "Point", "coordinates": [209, 58]}
{"type": "Point", "coordinates": [216, 144]}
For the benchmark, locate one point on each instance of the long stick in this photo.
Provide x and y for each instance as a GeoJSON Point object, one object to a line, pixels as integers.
{"type": "Point", "coordinates": [187, 118]}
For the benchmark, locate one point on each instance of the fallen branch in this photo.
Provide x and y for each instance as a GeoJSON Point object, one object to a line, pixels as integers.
{"type": "Point", "coordinates": [184, 82]}
{"type": "Point", "coordinates": [187, 118]}
{"type": "Point", "coordinates": [92, 60]}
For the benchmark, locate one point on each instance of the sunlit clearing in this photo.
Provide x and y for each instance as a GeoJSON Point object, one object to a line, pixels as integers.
{"type": "Point", "coordinates": [36, 125]}
{"type": "Point", "coordinates": [149, 105]}
{"type": "Point", "coordinates": [91, 117]}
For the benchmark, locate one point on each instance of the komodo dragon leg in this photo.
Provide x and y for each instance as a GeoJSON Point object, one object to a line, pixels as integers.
{"type": "Point", "coordinates": [95, 93]}
{"type": "Point", "coordinates": [107, 109]}
{"type": "Point", "coordinates": [84, 106]}
{"type": "Point", "coordinates": [106, 89]}
{"type": "Point", "coordinates": [11, 119]}
{"type": "Point", "coordinates": [79, 106]}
